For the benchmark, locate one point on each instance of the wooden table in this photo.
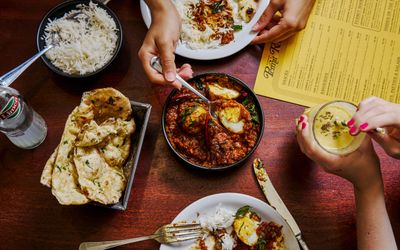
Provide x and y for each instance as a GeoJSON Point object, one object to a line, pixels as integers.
{"type": "Point", "coordinates": [31, 218]}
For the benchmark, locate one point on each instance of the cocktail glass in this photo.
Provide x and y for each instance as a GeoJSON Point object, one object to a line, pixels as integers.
{"type": "Point", "coordinates": [328, 127]}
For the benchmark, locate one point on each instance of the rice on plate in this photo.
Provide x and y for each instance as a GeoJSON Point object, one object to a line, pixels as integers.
{"type": "Point", "coordinates": [87, 39]}
{"type": "Point", "coordinates": [212, 23]}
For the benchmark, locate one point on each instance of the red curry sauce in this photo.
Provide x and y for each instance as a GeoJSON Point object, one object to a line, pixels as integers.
{"type": "Point", "coordinates": [205, 141]}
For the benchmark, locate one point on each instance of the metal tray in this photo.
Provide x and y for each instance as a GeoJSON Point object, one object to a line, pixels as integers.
{"type": "Point", "coordinates": [141, 114]}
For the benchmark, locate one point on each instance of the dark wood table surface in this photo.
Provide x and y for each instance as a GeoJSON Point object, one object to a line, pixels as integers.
{"type": "Point", "coordinates": [31, 218]}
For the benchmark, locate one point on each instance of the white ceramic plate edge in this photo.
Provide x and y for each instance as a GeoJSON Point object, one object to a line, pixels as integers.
{"type": "Point", "coordinates": [242, 38]}
{"type": "Point", "coordinates": [232, 201]}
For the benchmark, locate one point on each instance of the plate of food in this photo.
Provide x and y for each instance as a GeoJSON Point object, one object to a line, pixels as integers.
{"type": "Point", "coordinates": [96, 159]}
{"type": "Point", "coordinates": [235, 221]}
{"type": "Point", "coordinates": [213, 29]}
{"type": "Point", "coordinates": [86, 35]}
{"type": "Point", "coordinates": [205, 142]}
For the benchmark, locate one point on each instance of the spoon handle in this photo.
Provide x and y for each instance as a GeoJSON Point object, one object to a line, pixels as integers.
{"type": "Point", "coordinates": [9, 77]}
{"type": "Point", "coordinates": [188, 86]}
{"type": "Point", "coordinates": [155, 63]}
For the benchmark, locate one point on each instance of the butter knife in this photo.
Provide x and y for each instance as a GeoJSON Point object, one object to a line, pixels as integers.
{"type": "Point", "coordinates": [275, 201]}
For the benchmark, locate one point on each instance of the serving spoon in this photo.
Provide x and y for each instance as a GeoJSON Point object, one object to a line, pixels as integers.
{"type": "Point", "coordinates": [156, 64]}
{"type": "Point", "coordinates": [9, 77]}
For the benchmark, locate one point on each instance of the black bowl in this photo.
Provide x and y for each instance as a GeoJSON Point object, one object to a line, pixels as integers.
{"type": "Point", "coordinates": [58, 12]}
{"type": "Point", "coordinates": [216, 168]}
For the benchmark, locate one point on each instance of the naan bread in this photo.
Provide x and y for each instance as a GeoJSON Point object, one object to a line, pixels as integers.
{"type": "Point", "coordinates": [87, 164]}
{"type": "Point", "coordinates": [64, 178]}
{"type": "Point", "coordinates": [106, 103]}
{"type": "Point", "coordinates": [45, 179]}
{"type": "Point", "coordinates": [93, 134]}
{"type": "Point", "coordinates": [97, 179]}
{"type": "Point", "coordinates": [116, 150]}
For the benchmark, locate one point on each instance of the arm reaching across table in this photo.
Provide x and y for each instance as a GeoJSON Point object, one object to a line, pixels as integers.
{"type": "Point", "coordinates": [362, 169]}
{"type": "Point", "coordinates": [161, 40]}
{"type": "Point", "coordinates": [282, 19]}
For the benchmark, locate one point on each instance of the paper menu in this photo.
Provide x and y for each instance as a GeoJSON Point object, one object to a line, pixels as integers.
{"type": "Point", "coordinates": [349, 50]}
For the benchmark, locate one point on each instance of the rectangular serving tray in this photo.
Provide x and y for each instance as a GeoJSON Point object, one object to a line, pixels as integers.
{"type": "Point", "coordinates": [141, 115]}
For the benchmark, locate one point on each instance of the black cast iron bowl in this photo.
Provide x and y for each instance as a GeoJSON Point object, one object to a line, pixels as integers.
{"type": "Point", "coordinates": [58, 12]}
{"type": "Point", "coordinates": [215, 168]}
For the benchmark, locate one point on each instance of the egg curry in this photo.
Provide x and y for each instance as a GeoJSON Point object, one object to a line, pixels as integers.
{"type": "Point", "coordinates": [208, 141]}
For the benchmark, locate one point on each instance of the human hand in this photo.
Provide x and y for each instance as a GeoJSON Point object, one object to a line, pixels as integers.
{"type": "Point", "coordinates": [362, 167]}
{"type": "Point", "coordinates": [161, 40]}
{"type": "Point", "coordinates": [375, 113]}
{"type": "Point", "coordinates": [275, 27]}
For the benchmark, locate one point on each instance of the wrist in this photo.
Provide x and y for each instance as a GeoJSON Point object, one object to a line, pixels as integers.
{"type": "Point", "coordinates": [164, 11]}
{"type": "Point", "coordinates": [371, 190]}
{"type": "Point", "coordinates": [160, 6]}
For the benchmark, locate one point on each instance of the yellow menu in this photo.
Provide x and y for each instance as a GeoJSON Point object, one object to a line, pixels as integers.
{"type": "Point", "coordinates": [349, 50]}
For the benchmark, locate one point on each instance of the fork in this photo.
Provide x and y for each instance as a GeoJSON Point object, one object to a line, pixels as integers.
{"type": "Point", "coordinates": [166, 234]}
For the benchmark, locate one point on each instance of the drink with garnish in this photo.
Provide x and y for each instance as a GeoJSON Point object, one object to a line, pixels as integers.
{"type": "Point", "coordinates": [328, 125]}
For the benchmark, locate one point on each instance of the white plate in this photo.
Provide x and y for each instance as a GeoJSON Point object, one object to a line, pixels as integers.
{"type": "Point", "coordinates": [231, 201]}
{"type": "Point", "coordinates": [242, 38]}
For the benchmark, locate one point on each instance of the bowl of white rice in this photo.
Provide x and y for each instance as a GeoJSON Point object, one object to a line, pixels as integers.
{"type": "Point", "coordinates": [89, 37]}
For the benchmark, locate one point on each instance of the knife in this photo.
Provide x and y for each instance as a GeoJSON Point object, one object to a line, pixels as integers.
{"type": "Point", "coordinates": [275, 201]}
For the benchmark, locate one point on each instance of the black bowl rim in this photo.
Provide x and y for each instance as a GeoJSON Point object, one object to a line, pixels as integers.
{"type": "Point", "coordinates": [241, 161]}
{"type": "Point", "coordinates": [49, 15]}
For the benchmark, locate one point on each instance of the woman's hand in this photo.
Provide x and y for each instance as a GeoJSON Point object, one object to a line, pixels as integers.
{"type": "Point", "coordinates": [276, 27]}
{"type": "Point", "coordinates": [161, 40]}
{"type": "Point", "coordinates": [375, 113]}
{"type": "Point", "coordinates": [361, 167]}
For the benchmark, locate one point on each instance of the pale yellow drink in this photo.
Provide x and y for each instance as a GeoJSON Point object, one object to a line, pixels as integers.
{"type": "Point", "coordinates": [328, 125]}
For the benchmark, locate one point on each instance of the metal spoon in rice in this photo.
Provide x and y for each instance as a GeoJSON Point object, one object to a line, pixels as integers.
{"type": "Point", "coordinates": [9, 77]}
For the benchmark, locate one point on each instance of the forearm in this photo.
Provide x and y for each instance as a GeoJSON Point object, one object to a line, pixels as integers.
{"type": "Point", "coordinates": [374, 230]}
{"type": "Point", "coordinates": [159, 5]}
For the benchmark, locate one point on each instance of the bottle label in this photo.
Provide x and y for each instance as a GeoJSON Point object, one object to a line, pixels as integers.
{"type": "Point", "coordinates": [12, 109]}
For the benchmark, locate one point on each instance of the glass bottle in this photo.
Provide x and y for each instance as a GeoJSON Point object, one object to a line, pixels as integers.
{"type": "Point", "coordinates": [18, 121]}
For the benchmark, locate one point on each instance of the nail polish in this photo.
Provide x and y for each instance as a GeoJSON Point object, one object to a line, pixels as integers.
{"type": "Point", "coordinates": [364, 126]}
{"type": "Point", "coordinates": [353, 130]}
{"type": "Point", "coordinates": [351, 122]}
{"type": "Point", "coordinates": [303, 125]}
{"type": "Point", "coordinates": [301, 119]}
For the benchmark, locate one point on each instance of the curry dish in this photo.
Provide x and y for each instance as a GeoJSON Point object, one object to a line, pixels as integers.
{"type": "Point", "coordinates": [207, 141]}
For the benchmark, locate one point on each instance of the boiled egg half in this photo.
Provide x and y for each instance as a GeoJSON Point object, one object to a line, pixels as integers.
{"type": "Point", "coordinates": [218, 92]}
{"type": "Point", "coordinates": [246, 229]}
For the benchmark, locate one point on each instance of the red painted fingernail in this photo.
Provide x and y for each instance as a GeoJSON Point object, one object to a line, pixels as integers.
{"type": "Point", "coordinates": [364, 126]}
{"type": "Point", "coordinates": [351, 122]}
{"type": "Point", "coordinates": [352, 130]}
{"type": "Point", "coordinates": [303, 125]}
{"type": "Point", "coordinates": [301, 119]}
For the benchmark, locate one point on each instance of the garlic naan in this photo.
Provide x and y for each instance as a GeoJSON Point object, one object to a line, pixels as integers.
{"type": "Point", "coordinates": [45, 178]}
{"type": "Point", "coordinates": [106, 103]}
{"type": "Point", "coordinates": [64, 179]}
{"type": "Point", "coordinates": [87, 165]}
{"type": "Point", "coordinates": [97, 179]}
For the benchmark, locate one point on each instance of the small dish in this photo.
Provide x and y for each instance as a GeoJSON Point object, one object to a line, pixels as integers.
{"type": "Point", "coordinates": [242, 38]}
{"type": "Point", "coordinates": [58, 12]}
{"type": "Point", "coordinates": [257, 108]}
{"type": "Point", "coordinates": [141, 114]}
{"type": "Point", "coordinates": [232, 201]}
